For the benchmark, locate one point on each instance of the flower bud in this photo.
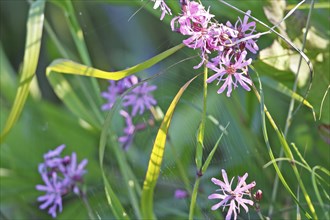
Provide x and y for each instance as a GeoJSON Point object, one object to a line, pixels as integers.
{"type": "Point", "coordinates": [258, 195]}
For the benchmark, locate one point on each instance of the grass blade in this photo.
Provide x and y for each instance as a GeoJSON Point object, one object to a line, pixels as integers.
{"type": "Point", "coordinates": [71, 67]}
{"type": "Point", "coordinates": [31, 56]}
{"type": "Point", "coordinates": [264, 113]}
{"type": "Point", "coordinates": [317, 192]}
{"type": "Point", "coordinates": [113, 200]}
{"type": "Point", "coordinates": [156, 157]}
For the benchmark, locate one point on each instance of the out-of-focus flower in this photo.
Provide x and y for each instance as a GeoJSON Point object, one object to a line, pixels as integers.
{"type": "Point", "coordinates": [230, 71]}
{"type": "Point", "coordinates": [165, 9]}
{"type": "Point", "coordinates": [232, 198]}
{"type": "Point", "coordinates": [129, 130]}
{"type": "Point", "coordinates": [180, 194]}
{"type": "Point", "coordinates": [114, 90]}
{"type": "Point", "coordinates": [53, 197]}
{"type": "Point", "coordinates": [60, 176]}
{"type": "Point", "coordinates": [73, 172]}
{"type": "Point", "coordinates": [140, 98]}
{"type": "Point", "coordinates": [135, 101]}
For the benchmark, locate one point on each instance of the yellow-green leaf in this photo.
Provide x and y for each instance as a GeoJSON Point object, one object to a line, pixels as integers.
{"type": "Point", "coordinates": [156, 157]}
{"type": "Point", "coordinates": [71, 67]}
{"type": "Point", "coordinates": [31, 55]}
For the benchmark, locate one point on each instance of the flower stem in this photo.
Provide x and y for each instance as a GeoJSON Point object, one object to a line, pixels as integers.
{"type": "Point", "coordinates": [199, 147]}
{"type": "Point", "coordinates": [194, 198]}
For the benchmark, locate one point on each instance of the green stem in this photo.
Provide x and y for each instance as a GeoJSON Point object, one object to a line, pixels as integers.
{"type": "Point", "coordinates": [283, 143]}
{"type": "Point", "coordinates": [200, 146]}
{"type": "Point", "coordinates": [194, 198]}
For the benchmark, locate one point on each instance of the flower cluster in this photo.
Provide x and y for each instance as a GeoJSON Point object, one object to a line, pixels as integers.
{"type": "Point", "coordinates": [228, 42]}
{"type": "Point", "coordinates": [61, 175]}
{"type": "Point", "coordinates": [232, 198]}
{"type": "Point", "coordinates": [135, 102]}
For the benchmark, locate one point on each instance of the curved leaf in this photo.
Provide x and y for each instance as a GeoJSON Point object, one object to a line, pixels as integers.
{"type": "Point", "coordinates": [156, 157]}
{"type": "Point", "coordinates": [71, 67]}
{"type": "Point", "coordinates": [31, 56]}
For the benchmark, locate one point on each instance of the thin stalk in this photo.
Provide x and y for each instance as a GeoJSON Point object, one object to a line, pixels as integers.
{"type": "Point", "coordinates": [194, 198]}
{"type": "Point", "coordinates": [290, 113]}
{"type": "Point", "coordinates": [125, 170]}
{"type": "Point", "coordinates": [200, 146]}
{"type": "Point", "coordinates": [287, 151]}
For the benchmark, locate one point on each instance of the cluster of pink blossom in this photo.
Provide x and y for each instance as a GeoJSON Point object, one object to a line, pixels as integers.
{"type": "Point", "coordinates": [228, 42]}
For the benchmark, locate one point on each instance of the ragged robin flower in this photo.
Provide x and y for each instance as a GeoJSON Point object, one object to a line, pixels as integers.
{"type": "Point", "coordinates": [232, 198]}
{"type": "Point", "coordinates": [230, 71]}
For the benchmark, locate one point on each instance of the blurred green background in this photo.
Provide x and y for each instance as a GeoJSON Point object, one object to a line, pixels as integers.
{"type": "Point", "coordinates": [115, 41]}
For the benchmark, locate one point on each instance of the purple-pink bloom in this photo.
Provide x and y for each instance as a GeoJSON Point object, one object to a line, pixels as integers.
{"type": "Point", "coordinates": [140, 97]}
{"type": "Point", "coordinates": [165, 9]}
{"type": "Point", "coordinates": [53, 197]}
{"type": "Point", "coordinates": [129, 130]}
{"type": "Point", "coordinates": [74, 173]}
{"type": "Point", "coordinates": [194, 21]}
{"type": "Point", "coordinates": [61, 176]}
{"type": "Point", "coordinates": [245, 29]}
{"type": "Point", "coordinates": [232, 198]}
{"type": "Point", "coordinates": [230, 70]}
{"type": "Point", "coordinates": [114, 90]}
{"type": "Point", "coordinates": [52, 159]}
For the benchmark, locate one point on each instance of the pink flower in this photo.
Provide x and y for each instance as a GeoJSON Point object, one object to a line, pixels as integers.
{"type": "Point", "coordinates": [194, 22]}
{"type": "Point", "coordinates": [165, 9]}
{"type": "Point", "coordinates": [245, 29]}
{"type": "Point", "coordinates": [230, 70]}
{"type": "Point", "coordinates": [232, 198]}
